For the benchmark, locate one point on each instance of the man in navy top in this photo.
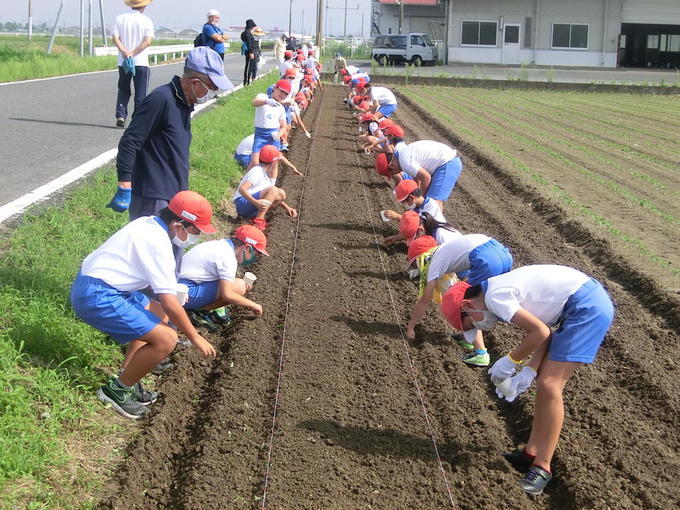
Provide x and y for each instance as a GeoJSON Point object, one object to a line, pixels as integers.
{"type": "Point", "coordinates": [213, 37]}
{"type": "Point", "coordinates": [153, 153]}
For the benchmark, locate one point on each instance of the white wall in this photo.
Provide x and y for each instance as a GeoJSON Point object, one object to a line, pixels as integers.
{"type": "Point", "coordinates": [662, 12]}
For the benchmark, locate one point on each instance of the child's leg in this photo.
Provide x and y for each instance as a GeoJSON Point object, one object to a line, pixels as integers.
{"type": "Point", "coordinates": [270, 194]}
{"type": "Point", "coordinates": [152, 348]}
{"type": "Point", "coordinates": [549, 412]}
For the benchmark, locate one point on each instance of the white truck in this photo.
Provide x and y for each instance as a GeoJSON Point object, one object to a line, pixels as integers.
{"type": "Point", "coordinates": [414, 48]}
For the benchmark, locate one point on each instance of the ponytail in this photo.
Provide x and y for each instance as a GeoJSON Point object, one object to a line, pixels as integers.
{"type": "Point", "coordinates": [430, 224]}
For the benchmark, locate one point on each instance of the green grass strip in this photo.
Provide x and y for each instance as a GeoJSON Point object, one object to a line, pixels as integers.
{"type": "Point", "coordinates": [50, 362]}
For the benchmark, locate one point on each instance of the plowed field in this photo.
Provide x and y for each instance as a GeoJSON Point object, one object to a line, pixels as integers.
{"type": "Point", "coordinates": [366, 419]}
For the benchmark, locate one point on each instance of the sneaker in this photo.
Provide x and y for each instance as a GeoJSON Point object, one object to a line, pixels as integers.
{"type": "Point", "coordinates": [220, 315]}
{"type": "Point", "coordinates": [519, 460]}
{"type": "Point", "coordinates": [462, 343]}
{"type": "Point", "coordinates": [143, 396]}
{"type": "Point", "coordinates": [162, 367]}
{"type": "Point", "coordinates": [121, 400]}
{"type": "Point", "coordinates": [260, 223]}
{"type": "Point", "coordinates": [535, 480]}
{"type": "Point", "coordinates": [120, 122]}
{"type": "Point", "coordinates": [284, 147]}
{"type": "Point", "coordinates": [200, 319]}
{"type": "Point", "coordinates": [478, 360]}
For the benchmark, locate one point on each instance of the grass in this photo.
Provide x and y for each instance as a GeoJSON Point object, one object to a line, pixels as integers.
{"type": "Point", "coordinates": [50, 362]}
{"type": "Point", "coordinates": [21, 59]}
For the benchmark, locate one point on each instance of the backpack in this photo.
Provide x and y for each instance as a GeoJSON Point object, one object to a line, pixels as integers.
{"type": "Point", "coordinates": [244, 48]}
{"type": "Point", "coordinates": [198, 41]}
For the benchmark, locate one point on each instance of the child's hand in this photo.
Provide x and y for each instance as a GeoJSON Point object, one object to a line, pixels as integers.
{"type": "Point", "coordinates": [257, 309]}
{"type": "Point", "coordinates": [205, 347]}
{"type": "Point", "coordinates": [410, 332]}
{"type": "Point", "coordinates": [393, 215]}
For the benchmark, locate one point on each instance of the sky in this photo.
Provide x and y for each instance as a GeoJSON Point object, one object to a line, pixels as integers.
{"type": "Point", "coordinates": [180, 14]}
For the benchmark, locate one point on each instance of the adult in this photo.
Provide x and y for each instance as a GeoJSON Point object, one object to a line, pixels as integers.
{"type": "Point", "coordinates": [291, 43]}
{"type": "Point", "coordinates": [280, 47]}
{"type": "Point", "coordinates": [213, 36]}
{"type": "Point", "coordinates": [537, 298]}
{"type": "Point", "coordinates": [132, 34]}
{"type": "Point", "coordinates": [153, 153]}
{"type": "Point", "coordinates": [251, 51]}
{"type": "Point", "coordinates": [340, 64]}
{"type": "Point", "coordinates": [107, 295]}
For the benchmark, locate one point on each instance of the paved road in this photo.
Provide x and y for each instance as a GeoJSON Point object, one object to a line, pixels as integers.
{"type": "Point", "coordinates": [51, 126]}
{"type": "Point", "coordinates": [571, 75]}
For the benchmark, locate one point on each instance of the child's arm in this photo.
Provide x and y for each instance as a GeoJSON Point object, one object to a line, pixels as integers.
{"type": "Point", "coordinates": [227, 293]}
{"type": "Point", "coordinates": [389, 240]}
{"type": "Point", "coordinates": [423, 178]}
{"type": "Point", "coordinates": [535, 339]}
{"type": "Point", "coordinates": [289, 210]}
{"type": "Point", "coordinates": [178, 316]}
{"type": "Point", "coordinates": [290, 165]}
{"type": "Point", "coordinates": [420, 309]}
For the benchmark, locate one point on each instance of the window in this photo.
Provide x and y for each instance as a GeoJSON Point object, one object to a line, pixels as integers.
{"type": "Point", "coordinates": [416, 40]}
{"type": "Point", "coordinates": [652, 42]}
{"type": "Point", "coordinates": [571, 35]}
{"type": "Point", "coordinates": [397, 41]}
{"type": "Point", "coordinates": [674, 42]}
{"type": "Point", "coordinates": [427, 40]}
{"type": "Point", "coordinates": [479, 33]}
{"type": "Point", "coordinates": [511, 34]}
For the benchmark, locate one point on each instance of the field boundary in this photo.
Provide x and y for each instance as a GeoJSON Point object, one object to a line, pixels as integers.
{"type": "Point", "coordinates": [519, 84]}
{"type": "Point", "coordinates": [656, 299]}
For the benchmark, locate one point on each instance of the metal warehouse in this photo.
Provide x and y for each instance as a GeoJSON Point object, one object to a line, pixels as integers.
{"type": "Point", "coordinates": [588, 33]}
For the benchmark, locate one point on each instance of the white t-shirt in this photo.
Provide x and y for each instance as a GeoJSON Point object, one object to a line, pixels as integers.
{"type": "Point", "coordinates": [139, 255]}
{"type": "Point", "coordinates": [444, 235]}
{"type": "Point", "coordinates": [210, 261]}
{"type": "Point", "coordinates": [452, 257]}
{"type": "Point", "coordinates": [284, 66]}
{"type": "Point", "coordinates": [373, 127]}
{"type": "Point", "coordinates": [259, 179]}
{"type": "Point", "coordinates": [541, 290]}
{"type": "Point", "coordinates": [267, 116]}
{"type": "Point", "coordinates": [131, 28]}
{"type": "Point", "coordinates": [432, 208]}
{"type": "Point", "coordinates": [383, 95]}
{"type": "Point", "coordinates": [352, 70]}
{"type": "Point", "coordinates": [245, 148]}
{"type": "Point", "coordinates": [427, 154]}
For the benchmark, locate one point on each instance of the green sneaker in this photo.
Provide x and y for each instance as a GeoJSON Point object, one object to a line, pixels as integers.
{"type": "Point", "coordinates": [478, 360]}
{"type": "Point", "coordinates": [462, 343]}
{"type": "Point", "coordinates": [220, 315]}
{"type": "Point", "coordinates": [144, 396]}
{"type": "Point", "coordinates": [200, 319]}
{"type": "Point", "coordinates": [121, 400]}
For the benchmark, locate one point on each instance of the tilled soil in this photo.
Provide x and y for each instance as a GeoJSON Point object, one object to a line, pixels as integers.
{"type": "Point", "coordinates": [360, 410]}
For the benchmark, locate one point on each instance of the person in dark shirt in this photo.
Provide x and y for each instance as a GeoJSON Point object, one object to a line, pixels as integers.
{"type": "Point", "coordinates": [252, 52]}
{"type": "Point", "coordinates": [153, 153]}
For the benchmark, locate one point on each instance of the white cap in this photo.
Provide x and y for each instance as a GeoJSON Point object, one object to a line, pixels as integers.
{"type": "Point", "coordinates": [285, 34]}
{"type": "Point", "coordinates": [213, 12]}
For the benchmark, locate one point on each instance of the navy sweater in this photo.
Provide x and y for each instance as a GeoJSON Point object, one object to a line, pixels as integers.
{"type": "Point", "coordinates": [153, 152]}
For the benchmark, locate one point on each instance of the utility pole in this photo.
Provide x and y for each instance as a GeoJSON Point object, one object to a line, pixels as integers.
{"type": "Point", "coordinates": [82, 27]}
{"type": "Point", "coordinates": [30, 21]}
{"type": "Point", "coordinates": [89, 29]}
{"type": "Point", "coordinates": [290, 18]}
{"type": "Point", "coordinates": [54, 29]}
{"type": "Point", "coordinates": [401, 15]}
{"type": "Point", "coordinates": [319, 24]}
{"type": "Point", "coordinates": [101, 15]}
{"type": "Point", "coordinates": [344, 31]}
{"type": "Point", "coordinates": [303, 25]}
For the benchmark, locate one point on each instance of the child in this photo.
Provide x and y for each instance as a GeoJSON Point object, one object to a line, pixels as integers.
{"type": "Point", "coordinates": [413, 225]}
{"type": "Point", "coordinates": [107, 295]}
{"type": "Point", "coordinates": [209, 270]}
{"type": "Point", "coordinates": [245, 150]}
{"type": "Point", "coordinates": [408, 193]}
{"type": "Point", "coordinates": [536, 298]}
{"type": "Point", "coordinates": [384, 101]}
{"type": "Point", "coordinates": [270, 119]}
{"type": "Point", "coordinates": [257, 193]}
{"type": "Point", "coordinates": [475, 256]}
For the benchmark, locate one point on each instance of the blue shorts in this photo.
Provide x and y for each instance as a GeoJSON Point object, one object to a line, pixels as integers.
{"type": "Point", "coordinates": [242, 159]}
{"type": "Point", "coordinates": [387, 109]}
{"type": "Point", "coordinates": [444, 179]}
{"type": "Point", "coordinates": [487, 260]}
{"type": "Point", "coordinates": [289, 116]}
{"type": "Point", "coordinates": [121, 315]}
{"type": "Point", "coordinates": [405, 177]}
{"type": "Point", "coordinates": [245, 208]}
{"type": "Point", "coordinates": [265, 137]}
{"type": "Point", "coordinates": [200, 294]}
{"type": "Point", "coordinates": [585, 320]}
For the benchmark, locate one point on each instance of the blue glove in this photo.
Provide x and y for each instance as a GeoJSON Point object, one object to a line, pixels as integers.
{"type": "Point", "coordinates": [129, 65]}
{"type": "Point", "coordinates": [121, 200]}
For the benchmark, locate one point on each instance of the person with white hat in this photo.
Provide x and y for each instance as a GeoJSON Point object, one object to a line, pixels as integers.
{"type": "Point", "coordinates": [213, 36]}
{"type": "Point", "coordinates": [132, 34]}
{"type": "Point", "coordinates": [153, 153]}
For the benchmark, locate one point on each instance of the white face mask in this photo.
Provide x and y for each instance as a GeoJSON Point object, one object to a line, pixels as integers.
{"type": "Point", "coordinates": [189, 241]}
{"type": "Point", "coordinates": [208, 96]}
{"type": "Point", "coordinates": [410, 207]}
{"type": "Point", "coordinates": [487, 323]}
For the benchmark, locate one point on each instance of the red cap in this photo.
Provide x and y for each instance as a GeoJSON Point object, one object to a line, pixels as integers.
{"type": "Point", "coordinates": [381, 165]}
{"type": "Point", "coordinates": [253, 236]}
{"type": "Point", "coordinates": [366, 117]}
{"type": "Point", "coordinates": [404, 189]}
{"type": "Point", "coordinates": [419, 246]}
{"type": "Point", "coordinates": [284, 85]}
{"type": "Point", "coordinates": [408, 225]}
{"type": "Point", "coordinates": [194, 208]}
{"type": "Point", "coordinates": [287, 54]}
{"type": "Point", "coordinates": [451, 304]}
{"type": "Point", "coordinates": [300, 57]}
{"type": "Point", "coordinates": [310, 52]}
{"type": "Point", "coordinates": [343, 71]}
{"type": "Point", "coordinates": [357, 99]}
{"type": "Point", "coordinates": [269, 153]}
{"type": "Point", "coordinates": [394, 130]}
{"type": "Point", "coordinates": [346, 80]}
{"type": "Point", "coordinates": [300, 52]}
{"type": "Point", "coordinates": [291, 71]}
{"type": "Point", "coordinates": [360, 88]}
{"type": "Point", "coordinates": [384, 122]}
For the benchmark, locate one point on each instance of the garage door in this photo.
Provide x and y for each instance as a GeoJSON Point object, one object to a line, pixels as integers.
{"type": "Point", "coordinates": [660, 12]}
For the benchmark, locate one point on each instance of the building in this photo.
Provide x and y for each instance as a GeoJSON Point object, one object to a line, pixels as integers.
{"type": "Point", "coordinates": [425, 16]}
{"type": "Point", "coordinates": [588, 33]}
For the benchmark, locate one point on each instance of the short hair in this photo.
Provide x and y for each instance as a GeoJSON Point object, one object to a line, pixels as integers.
{"type": "Point", "coordinates": [168, 217]}
{"type": "Point", "coordinates": [473, 292]}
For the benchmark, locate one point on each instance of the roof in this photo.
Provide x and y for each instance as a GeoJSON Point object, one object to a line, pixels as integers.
{"type": "Point", "coordinates": [410, 2]}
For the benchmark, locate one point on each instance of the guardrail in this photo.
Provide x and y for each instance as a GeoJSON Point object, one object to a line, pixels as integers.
{"type": "Point", "coordinates": [154, 51]}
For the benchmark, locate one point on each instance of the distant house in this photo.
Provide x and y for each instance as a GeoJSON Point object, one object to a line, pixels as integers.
{"type": "Point", "coordinates": [589, 33]}
{"type": "Point", "coordinates": [164, 33]}
{"type": "Point", "coordinates": [188, 33]}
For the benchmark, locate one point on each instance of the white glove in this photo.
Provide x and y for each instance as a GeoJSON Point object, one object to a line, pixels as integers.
{"type": "Point", "coordinates": [307, 134]}
{"type": "Point", "coordinates": [518, 384]}
{"type": "Point", "coordinates": [272, 102]}
{"type": "Point", "coordinates": [276, 135]}
{"type": "Point", "coordinates": [502, 369]}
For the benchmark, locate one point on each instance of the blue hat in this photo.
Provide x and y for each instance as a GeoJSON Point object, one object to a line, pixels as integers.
{"type": "Point", "coordinates": [204, 60]}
